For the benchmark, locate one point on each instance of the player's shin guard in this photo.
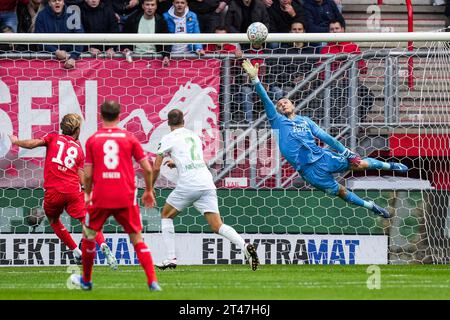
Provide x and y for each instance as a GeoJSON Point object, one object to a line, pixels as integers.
{"type": "Point", "coordinates": [63, 234]}
{"type": "Point", "coordinates": [168, 235]}
{"type": "Point", "coordinates": [354, 199]}
{"type": "Point", "coordinates": [377, 165]}
{"type": "Point", "coordinates": [231, 234]}
{"type": "Point", "coordinates": [88, 256]}
{"type": "Point", "coordinates": [146, 261]}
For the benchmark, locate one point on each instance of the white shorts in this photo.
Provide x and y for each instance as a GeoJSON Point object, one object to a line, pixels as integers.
{"type": "Point", "coordinates": [203, 200]}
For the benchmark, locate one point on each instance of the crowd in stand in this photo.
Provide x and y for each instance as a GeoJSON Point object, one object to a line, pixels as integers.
{"type": "Point", "coordinates": [185, 16]}
{"type": "Point", "coordinates": [163, 16]}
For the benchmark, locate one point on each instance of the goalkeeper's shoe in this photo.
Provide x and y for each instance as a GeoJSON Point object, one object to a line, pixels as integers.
{"type": "Point", "coordinates": [400, 167]}
{"type": "Point", "coordinates": [251, 256]}
{"type": "Point", "coordinates": [78, 282]}
{"type": "Point", "coordinates": [170, 264]}
{"type": "Point", "coordinates": [110, 259]}
{"type": "Point", "coordinates": [154, 286]}
{"type": "Point", "coordinates": [380, 211]}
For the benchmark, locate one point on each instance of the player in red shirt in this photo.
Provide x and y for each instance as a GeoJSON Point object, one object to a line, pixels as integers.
{"type": "Point", "coordinates": [63, 171]}
{"type": "Point", "coordinates": [110, 190]}
{"type": "Point", "coordinates": [223, 48]}
{"type": "Point", "coordinates": [342, 47]}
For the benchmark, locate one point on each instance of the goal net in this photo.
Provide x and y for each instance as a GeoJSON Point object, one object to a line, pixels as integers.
{"type": "Point", "coordinates": [380, 99]}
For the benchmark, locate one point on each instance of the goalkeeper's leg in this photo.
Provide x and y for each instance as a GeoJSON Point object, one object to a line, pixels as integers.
{"type": "Point", "coordinates": [352, 198]}
{"type": "Point", "coordinates": [374, 164]}
{"type": "Point", "coordinates": [321, 177]}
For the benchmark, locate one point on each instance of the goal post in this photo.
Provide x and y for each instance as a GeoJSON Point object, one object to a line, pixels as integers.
{"type": "Point", "coordinates": [364, 99]}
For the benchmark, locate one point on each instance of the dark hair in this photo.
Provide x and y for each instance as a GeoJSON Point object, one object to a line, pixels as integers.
{"type": "Point", "coordinates": [299, 21]}
{"type": "Point", "coordinates": [341, 23]}
{"type": "Point", "coordinates": [110, 110]}
{"type": "Point", "coordinates": [222, 28]}
{"type": "Point", "coordinates": [175, 117]}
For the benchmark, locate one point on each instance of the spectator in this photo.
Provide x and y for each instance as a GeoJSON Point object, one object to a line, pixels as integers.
{"type": "Point", "coordinates": [242, 13]}
{"type": "Point", "coordinates": [8, 15]}
{"type": "Point", "coordinates": [223, 47]}
{"type": "Point", "coordinates": [148, 21]}
{"type": "Point", "coordinates": [297, 26]}
{"type": "Point", "coordinates": [338, 93]}
{"type": "Point", "coordinates": [319, 14]}
{"type": "Point", "coordinates": [208, 13]}
{"type": "Point", "coordinates": [97, 17]}
{"type": "Point", "coordinates": [123, 9]}
{"type": "Point", "coordinates": [181, 20]}
{"type": "Point", "coordinates": [282, 13]}
{"type": "Point", "coordinates": [54, 18]}
{"type": "Point", "coordinates": [286, 73]}
{"type": "Point", "coordinates": [336, 26]}
{"type": "Point", "coordinates": [26, 14]}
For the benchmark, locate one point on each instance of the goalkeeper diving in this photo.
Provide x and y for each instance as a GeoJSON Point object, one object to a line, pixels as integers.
{"type": "Point", "coordinates": [316, 165]}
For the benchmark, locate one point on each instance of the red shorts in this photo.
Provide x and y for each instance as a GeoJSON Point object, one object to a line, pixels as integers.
{"type": "Point", "coordinates": [55, 203]}
{"type": "Point", "coordinates": [129, 218]}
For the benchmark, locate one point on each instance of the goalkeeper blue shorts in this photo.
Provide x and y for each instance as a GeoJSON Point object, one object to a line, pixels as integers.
{"type": "Point", "coordinates": [320, 173]}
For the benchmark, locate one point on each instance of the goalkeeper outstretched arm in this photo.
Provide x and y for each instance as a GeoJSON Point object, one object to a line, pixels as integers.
{"type": "Point", "coordinates": [252, 71]}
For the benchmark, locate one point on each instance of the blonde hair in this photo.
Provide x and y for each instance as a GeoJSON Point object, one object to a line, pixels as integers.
{"type": "Point", "coordinates": [70, 123]}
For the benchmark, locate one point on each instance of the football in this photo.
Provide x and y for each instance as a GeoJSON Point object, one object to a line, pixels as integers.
{"type": "Point", "coordinates": [257, 32]}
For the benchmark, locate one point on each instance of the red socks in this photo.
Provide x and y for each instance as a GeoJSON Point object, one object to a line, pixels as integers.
{"type": "Point", "coordinates": [100, 238]}
{"type": "Point", "coordinates": [63, 234]}
{"type": "Point", "coordinates": [88, 256]}
{"type": "Point", "coordinates": [142, 251]}
{"type": "Point", "coordinates": [146, 261]}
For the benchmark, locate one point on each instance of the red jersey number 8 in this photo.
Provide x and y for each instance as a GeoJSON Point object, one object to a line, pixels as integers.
{"type": "Point", "coordinates": [111, 158]}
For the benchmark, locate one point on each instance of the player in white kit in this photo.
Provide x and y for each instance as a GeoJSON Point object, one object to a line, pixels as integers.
{"type": "Point", "coordinates": [195, 186]}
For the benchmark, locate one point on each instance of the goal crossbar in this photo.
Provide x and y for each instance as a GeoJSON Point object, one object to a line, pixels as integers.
{"type": "Point", "coordinates": [124, 38]}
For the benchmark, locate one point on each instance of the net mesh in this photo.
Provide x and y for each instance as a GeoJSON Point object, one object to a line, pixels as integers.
{"type": "Point", "coordinates": [384, 102]}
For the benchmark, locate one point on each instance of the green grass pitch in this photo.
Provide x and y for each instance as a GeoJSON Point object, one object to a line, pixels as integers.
{"type": "Point", "coordinates": [230, 282]}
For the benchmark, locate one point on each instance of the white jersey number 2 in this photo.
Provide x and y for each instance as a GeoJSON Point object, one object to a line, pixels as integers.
{"type": "Point", "coordinates": [111, 158]}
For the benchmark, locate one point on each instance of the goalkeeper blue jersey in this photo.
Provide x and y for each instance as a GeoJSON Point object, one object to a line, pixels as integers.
{"type": "Point", "coordinates": [296, 137]}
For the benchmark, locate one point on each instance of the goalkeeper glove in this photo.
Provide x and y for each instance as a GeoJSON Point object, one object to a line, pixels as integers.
{"type": "Point", "coordinates": [251, 70]}
{"type": "Point", "coordinates": [352, 157]}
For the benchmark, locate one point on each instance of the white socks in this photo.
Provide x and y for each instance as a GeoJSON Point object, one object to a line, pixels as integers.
{"type": "Point", "coordinates": [231, 234]}
{"type": "Point", "coordinates": [168, 234]}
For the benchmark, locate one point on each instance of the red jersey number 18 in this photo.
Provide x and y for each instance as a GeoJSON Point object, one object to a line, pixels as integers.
{"type": "Point", "coordinates": [71, 155]}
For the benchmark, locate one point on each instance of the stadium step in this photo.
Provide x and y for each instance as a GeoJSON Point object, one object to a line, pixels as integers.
{"type": "Point", "coordinates": [360, 6]}
{"type": "Point", "coordinates": [393, 18]}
